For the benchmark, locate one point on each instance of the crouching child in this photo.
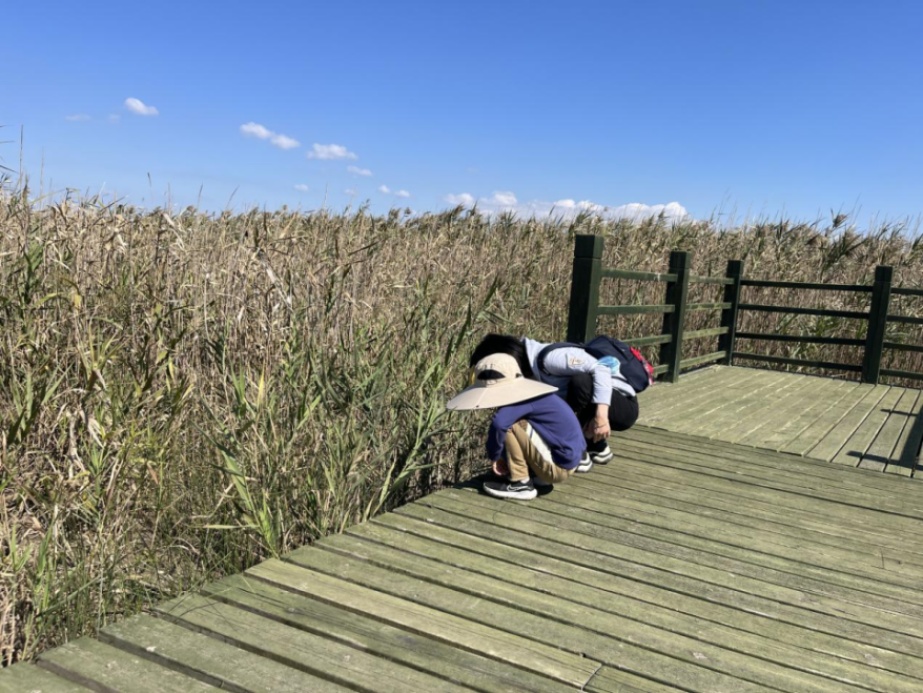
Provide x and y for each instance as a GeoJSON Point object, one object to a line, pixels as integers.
{"type": "Point", "coordinates": [534, 436]}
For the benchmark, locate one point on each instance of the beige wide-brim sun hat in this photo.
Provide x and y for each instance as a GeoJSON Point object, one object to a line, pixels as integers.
{"type": "Point", "coordinates": [498, 381]}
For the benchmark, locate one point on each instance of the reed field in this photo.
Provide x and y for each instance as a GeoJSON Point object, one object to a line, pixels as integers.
{"type": "Point", "coordinates": [184, 394]}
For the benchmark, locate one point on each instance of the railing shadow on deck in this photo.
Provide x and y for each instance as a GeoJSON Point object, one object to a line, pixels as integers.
{"type": "Point", "coordinates": [908, 457]}
{"type": "Point", "coordinates": [910, 453]}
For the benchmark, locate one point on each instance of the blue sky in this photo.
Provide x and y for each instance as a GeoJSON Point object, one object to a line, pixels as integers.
{"type": "Point", "coordinates": [736, 109]}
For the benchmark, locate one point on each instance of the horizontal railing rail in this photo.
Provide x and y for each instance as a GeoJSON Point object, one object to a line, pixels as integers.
{"type": "Point", "coordinates": [585, 309]}
{"type": "Point", "coordinates": [634, 310]}
{"type": "Point", "coordinates": [860, 288]}
{"type": "Point", "coordinates": [794, 310]}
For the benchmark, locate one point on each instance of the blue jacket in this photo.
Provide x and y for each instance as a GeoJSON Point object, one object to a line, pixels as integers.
{"type": "Point", "coordinates": [551, 418]}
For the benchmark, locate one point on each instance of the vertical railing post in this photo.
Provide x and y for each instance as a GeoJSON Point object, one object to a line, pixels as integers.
{"type": "Point", "coordinates": [584, 288]}
{"type": "Point", "coordinates": [878, 315]}
{"type": "Point", "coordinates": [727, 341]}
{"type": "Point", "coordinates": [671, 353]}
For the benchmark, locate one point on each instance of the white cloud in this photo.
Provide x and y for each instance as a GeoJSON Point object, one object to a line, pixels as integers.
{"type": "Point", "coordinates": [351, 192]}
{"type": "Point", "coordinates": [573, 207]}
{"type": "Point", "coordinates": [252, 129]}
{"type": "Point", "coordinates": [356, 171]}
{"type": "Point", "coordinates": [77, 117]}
{"type": "Point", "coordinates": [284, 142]}
{"type": "Point", "coordinates": [464, 199]}
{"type": "Point", "coordinates": [138, 107]}
{"type": "Point", "coordinates": [330, 151]}
{"type": "Point", "coordinates": [261, 132]}
{"type": "Point", "coordinates": [504, 201]}
{"type": "Point", "coordinates": [384, 189]}
{"type": "Point", "coordinates": [499, 201]}
{"type": "Point", "coordinates": [636, 211]}
{"type": "Point", "coordinates": [301, 187]}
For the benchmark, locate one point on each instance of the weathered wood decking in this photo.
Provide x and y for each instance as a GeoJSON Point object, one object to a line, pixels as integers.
{"type": "Point", "coordinates": [869, 426]}
{"type": "Point", "coordinates": [688, 563]}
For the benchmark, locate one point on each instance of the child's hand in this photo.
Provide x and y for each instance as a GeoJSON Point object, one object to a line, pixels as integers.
{"type": "Point", "coordinates": [501, 468]}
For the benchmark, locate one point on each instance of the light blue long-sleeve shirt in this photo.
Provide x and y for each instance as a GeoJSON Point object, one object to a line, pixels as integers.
{"type": "Point", "coordinates": [564, 362]}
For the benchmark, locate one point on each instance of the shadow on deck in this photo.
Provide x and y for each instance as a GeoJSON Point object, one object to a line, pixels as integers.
{"type": "Point", "coordinates": [730, 546]}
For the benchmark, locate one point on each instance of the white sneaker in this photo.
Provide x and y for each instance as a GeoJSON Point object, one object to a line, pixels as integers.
{"type": "Point", "coordinates": [603, 456]}
{"type": "Point", "coordinates": [517, 490]}
{"type": "Point", "coordinates": [586, 464]}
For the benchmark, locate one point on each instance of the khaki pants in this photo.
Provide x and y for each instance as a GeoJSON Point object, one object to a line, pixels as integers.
{"type": "Point", "coordinates": [526, 450]}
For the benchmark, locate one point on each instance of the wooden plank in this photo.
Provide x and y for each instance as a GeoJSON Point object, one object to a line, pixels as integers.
{"type": "Point", "coordinates": [821, 399]}
{"type": "Point", "coordinates": [731, 384]}
{"type": "Point", "coordinates": [895, 501]}
{"type": "Point", "coordinates": [859, 442]}
{"type": "Point", "coordinates": [209, 659]}
{"type": "Point", "coordinates": [898, 577]}
{"type": "Point", "coordinates": [821, 425]}
{"type": "Point", "coordinates": [860, 522]}
{"type": "Point", "coordinates": [843, 550]}
{"type": "Point", "coordinates": [98, 666]}
{"type": "Point", "coordinates": [718, 625]}
{"type": "Point", "coordinates": [661, 393]}
{"type": "Point", "coordinates": [867, 496]}
{"type": "Point", "coordinates": [725, 402]}
{"type": "Point", "coordinates": [774, 412]}
{"type": "Point", "coordinates": [314, 654]}
{"type": "Point", "coordinates": [719, 585]}
{"type": "Point", "coordinates": [401, 645]}
{"type": "Point", "coordinates": [690, 410]}
{"type": "Point", "coordinates": [867, 524]}
{"type": "Point", "coordinates": [662, 397]}
{"type": "Point", "coordinates": [836, 438]}
{"type": "Point", "coordinates": [556, 619]}
{"type": "Point", "coordinates": [881, 452]}
{"type": "Point", "coordinates": [690, 381]}
{"type": "Point", "coordinates": [882, 611]}
{"type": "Point", "coordinates": [847, 560]}
{"type": "Point", "coordinates": [795, 401]}
{"type": "Point", "coordinates": [717, 502]}
{"type": "Point", "coordinates": [853, 505]}
{"type": "Point", "coordinates": [772, 552]}
{"type": "Point", "coordinates": [675, 397]}
{"type": "Point", "coordinates": [721, 454]}
{"type": "Point", "coordinates": [612, 680]}
{"type": "Point", "coordinates": [26, 677]}
{"type": "Point", "coordinates": [543, 632]}
{"type": "Point", "coordinates": [746, 412]}
{"type": "Point", "coordinates": [410, 614]}
{"type": "Point", "coordinates": [715, 453]}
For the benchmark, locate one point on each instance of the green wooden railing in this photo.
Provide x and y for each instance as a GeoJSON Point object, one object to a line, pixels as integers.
{"type": "Point", "coordinates": [585, 309]}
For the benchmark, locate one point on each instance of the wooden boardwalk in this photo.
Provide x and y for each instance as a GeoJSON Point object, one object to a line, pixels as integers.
{"type": "Point", "coordinates": [700, 559]}
{"type": "Point", "coordinates": [875, 427]}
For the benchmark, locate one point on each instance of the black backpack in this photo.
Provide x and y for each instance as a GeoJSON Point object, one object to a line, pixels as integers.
{"type": "Point", "coordinates": [633, 367]}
